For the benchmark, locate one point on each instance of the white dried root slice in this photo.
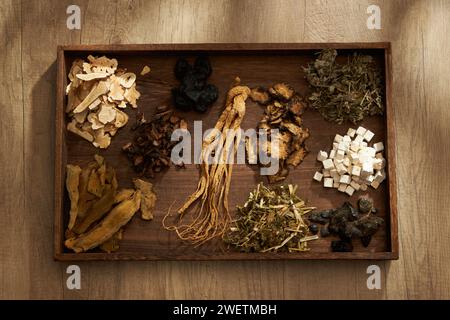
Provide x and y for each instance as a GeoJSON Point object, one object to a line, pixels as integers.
{"type": "Point", "coordinates": [95, 123]}
{"type": "Point", "coordinates": [121, 118]}
{"type": "Point", "coordinates": [132, 95]}
{"type": "Point", "coordinates": [145, 70]}
{"type": "Point", "coordinates": [81, 117]}
{"type": "Point", "coordinates": [72, 127]}
{"type": "Point", "coordinates": [110, 129]}
{"type": "Point", "coordinates": [116, 92]}
{"type": "Point", "coordinates": [101, 88]}
{"type": "Point", "coordinates": [107, 113]}
{"type": "Point", "coordinates": [127, 79]}
{"type": "Point", "coordinates": [92, 76]}
{"type": "Point", "coordinates": [122, 105]}
{"type": "Point", "coordinates": [94, 104]}
{"type": "Point", "coordinates": [101, 139]}
{"type": "Point", "coordinates": [103, 64]}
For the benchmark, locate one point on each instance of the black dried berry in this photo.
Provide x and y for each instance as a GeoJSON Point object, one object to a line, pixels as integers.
{"type": "Point", "coordinates": [202, 66]}
{"type": "Point", "coordinates": [341, 246]}
{"type": "Point", "coordinates": [314, 228]}
{"type": "Point", "coordinates": [181, 68]}
{"type": "Point", "coordinates": [324, 232]}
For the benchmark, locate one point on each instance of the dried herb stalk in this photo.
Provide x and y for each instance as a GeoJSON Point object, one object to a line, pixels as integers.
{"type": "Point", "coordinates": [271, 220]}
{"type": "Point", "coordinates": [343, 92]}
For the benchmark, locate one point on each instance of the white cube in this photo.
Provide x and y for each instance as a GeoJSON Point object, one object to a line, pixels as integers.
{"type": "Point", "coordinates": [341, 169]}
{"type": "Point", "coordinates": [343, 145]}
{"type": "Point", "coordinates": [346, 179]}
{"type": "Point", "coordinates": [347, 138]}
{"type": "Point", "coordinates": [328, 183]}
{"type": "Point", "coordinates": [336, 184]}
{"type": "Point", "coordinates": [346, 162]}
{"type": "Point", "coordinates": [322, 155]}
{"type": "Point", "coordinates": [339, 155]}
{"type": "Point", "coordinates": [358, 139]}
{"type": "Point", "coordinates": [367, 168]}
{"type": "Point", "coordinates": [349, 190]}
{"type": "Point", "coordinates": [361, 131]}
{"type": "Point", "coordinates": [356, 171]}
{"type": "Point", "coordinates": [332, 154]}
{"type": "Point", "coordinates": [318, 176]}
{"type": "Point", "coordinates": [379, 146]}
{"type": "Point", "coordinates": [375, 184]}
{"type": "Point", "coordinates": [351, 132]}
{"type": "Point", "coordinates": [369, 179]}
{"type": "Point", "coordinates": [342, 187]}
{"type": "Point", "coordinates": [355, 185]}
{"type": "Point", "coordinates": [354, 146]}
{"type": "Point", "coordinates": [328, 164]}
{"type": "Point", "coordinates": [338, 138]}
{"type": "Point", "coordinates": [368, 135]}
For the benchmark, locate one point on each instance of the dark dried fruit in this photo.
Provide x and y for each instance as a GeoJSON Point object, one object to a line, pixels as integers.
{"type": "Point", "coordinates": [194, 92]}
{"type": "Point", "coordinates": [347, 223]}
{"type": "Point", "coordinates": [314, 228]}
{"type": "Point", "coordinates": [341, 246]}
{"type": "Point", "coordinates": [365, 204]}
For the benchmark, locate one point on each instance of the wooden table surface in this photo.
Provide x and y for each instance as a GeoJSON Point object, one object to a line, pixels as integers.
{"type": "Point", "coordinates": [29, 34]}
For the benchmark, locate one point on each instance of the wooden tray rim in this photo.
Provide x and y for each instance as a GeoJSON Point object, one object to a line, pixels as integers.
{"type": "Point", "coordinates": [60, 255]}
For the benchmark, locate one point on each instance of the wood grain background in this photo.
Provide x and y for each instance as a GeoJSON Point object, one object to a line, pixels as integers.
{"type": "Point", "coordinates": [29, 34]}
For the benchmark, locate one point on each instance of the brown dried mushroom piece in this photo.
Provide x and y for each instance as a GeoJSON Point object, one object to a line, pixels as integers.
{"type": "Point", "coordinates": [260, 95]}
{"type": "Point", "coordinates": [284, 113]}
{"type": "Point", "coordinates": [281, 91]}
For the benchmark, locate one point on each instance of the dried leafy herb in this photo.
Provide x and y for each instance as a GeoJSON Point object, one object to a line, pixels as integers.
{"type": "Point", "coordinates": [349, 91]}
{"type": "Point", "coordinates": [348, 223]}
{"type": "Point", "coordinates": [150, 150]}
{"type": "Point", "coordinates": [271, 220]}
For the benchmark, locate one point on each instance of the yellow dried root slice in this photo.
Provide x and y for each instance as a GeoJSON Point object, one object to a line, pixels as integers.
{"type": "Point", "coordinates": [116, 219]}
{"type": "Point", "coordinates": [145, 70]}
{"type": "Point", "coordinates": [148, 198]}
{"type": "Point", "coordinates": [98, 209]}
{"type": "Point", "coordinates": [72, 182]}
{"type": "Point", "coordinates": [112, 244]}
{"type": "Point", "coordinates": [123, 194]}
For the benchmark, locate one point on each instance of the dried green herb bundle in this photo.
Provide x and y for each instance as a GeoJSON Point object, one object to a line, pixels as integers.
{"type": "Point", "coordinates": [271, 220]}
{"type": "Point", "coordinates": [348, 91]}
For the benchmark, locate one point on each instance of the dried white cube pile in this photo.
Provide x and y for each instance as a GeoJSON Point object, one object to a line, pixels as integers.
{"type": "Point", "coordinates": [352, 164]}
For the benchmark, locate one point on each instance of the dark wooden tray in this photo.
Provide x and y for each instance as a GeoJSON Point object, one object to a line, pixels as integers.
{"type": "Point", "coordinates": [255, 64]}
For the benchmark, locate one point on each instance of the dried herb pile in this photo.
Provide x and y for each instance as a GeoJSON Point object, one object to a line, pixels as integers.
{"type": "Point", "coordinates": [343, 92]}
{"type": "Point", "coordinates": [271, 220]}
{"type": "Point", "coordinates": [284, 108]}
{"type": "Point", "coordinates": [151, 148]}
{"type": "Point", "coordinates": [194, 93]}
{"type": "Point", "coordinates": [348, 223]}
{"type": "Point", "coordinates": [98, 209]}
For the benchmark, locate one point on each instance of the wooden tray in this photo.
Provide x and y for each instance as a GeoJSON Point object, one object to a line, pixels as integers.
{"type": "Point", "coordinates": [255, 64]}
